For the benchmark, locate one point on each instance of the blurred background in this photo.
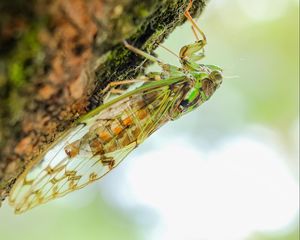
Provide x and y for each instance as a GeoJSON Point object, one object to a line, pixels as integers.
{"type": "Point", "coordinates": [227, 171]}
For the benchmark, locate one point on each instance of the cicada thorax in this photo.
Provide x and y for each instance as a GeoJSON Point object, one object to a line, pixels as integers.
{"type": "Point", "coordinates": [133, 122]}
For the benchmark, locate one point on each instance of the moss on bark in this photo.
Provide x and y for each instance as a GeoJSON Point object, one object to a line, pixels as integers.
{"type": "Point", "coordinates": [53, 66]}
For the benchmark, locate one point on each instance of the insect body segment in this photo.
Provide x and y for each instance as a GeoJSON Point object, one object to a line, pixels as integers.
{"type": "Point", "coordinates": [102, 138]}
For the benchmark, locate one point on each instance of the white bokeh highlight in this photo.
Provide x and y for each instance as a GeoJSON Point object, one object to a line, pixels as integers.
{"type": "Point", "coordinates": [242, 187]}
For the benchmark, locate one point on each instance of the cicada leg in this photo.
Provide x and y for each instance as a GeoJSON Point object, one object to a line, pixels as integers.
{"type": "Point", "coordinates": [111, 87]}
{"type": "Point", "coordinates": [142, 53]}
{"type": "Point", "coordinates": [195, 27]}
{"type": "Point", "coordinates": [194, 52]}
{"type": "Point", "coordinates": [168, 70]}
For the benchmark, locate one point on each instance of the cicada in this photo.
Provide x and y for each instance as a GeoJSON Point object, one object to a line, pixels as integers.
{"type": "Point", "coordinates": [102, 138]}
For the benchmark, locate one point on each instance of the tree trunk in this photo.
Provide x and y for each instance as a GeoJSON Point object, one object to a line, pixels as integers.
{"type": "Point", "coordinates": [56, 56]}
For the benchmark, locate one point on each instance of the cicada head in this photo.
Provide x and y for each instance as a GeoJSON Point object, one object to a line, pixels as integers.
{"type": "Point", "coordinates": [202, 86]}
{"type": "Point", "coordinates": [212, 82]}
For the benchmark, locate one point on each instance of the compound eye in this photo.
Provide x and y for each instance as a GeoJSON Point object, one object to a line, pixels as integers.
{"type": "Point", "coordinates": [208, 87]}
{"type": "Point", "coordinates": [216, 75]}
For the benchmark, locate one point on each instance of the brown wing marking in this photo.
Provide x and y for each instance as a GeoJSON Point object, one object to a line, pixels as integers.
{"type": "Point", "coordinates": [69, 175]}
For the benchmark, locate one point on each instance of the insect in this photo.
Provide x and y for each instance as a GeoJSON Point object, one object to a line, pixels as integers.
{"type": "Point", "coordinates": [101, 139]}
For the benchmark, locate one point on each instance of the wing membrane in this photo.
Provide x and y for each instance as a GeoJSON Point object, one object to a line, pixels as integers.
{"type": "Point", "coordinates": [58, 174]}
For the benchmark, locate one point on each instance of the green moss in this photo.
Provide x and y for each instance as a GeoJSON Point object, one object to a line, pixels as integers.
{"type": "Point", "coordinates": [141, 10]}
{"type": "Point", "coordinates": [22, 63]}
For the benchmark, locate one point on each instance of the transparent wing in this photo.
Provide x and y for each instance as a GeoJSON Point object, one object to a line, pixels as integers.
{"type": "Point", "coordinates": [57, 174]}
{"type": "Point", "coordinates": [162, 105]}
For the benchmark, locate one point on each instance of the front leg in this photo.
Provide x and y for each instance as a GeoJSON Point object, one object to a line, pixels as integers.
{"type": "Point", "coordinates": [192, 52]}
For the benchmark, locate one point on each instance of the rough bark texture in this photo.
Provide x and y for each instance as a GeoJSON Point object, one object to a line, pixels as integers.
{"type": "Point", "coordinates": [56, 56]}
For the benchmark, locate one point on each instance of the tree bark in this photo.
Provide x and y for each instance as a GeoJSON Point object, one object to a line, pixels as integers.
{"type": "Point", "coordinates": [56, 56]}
